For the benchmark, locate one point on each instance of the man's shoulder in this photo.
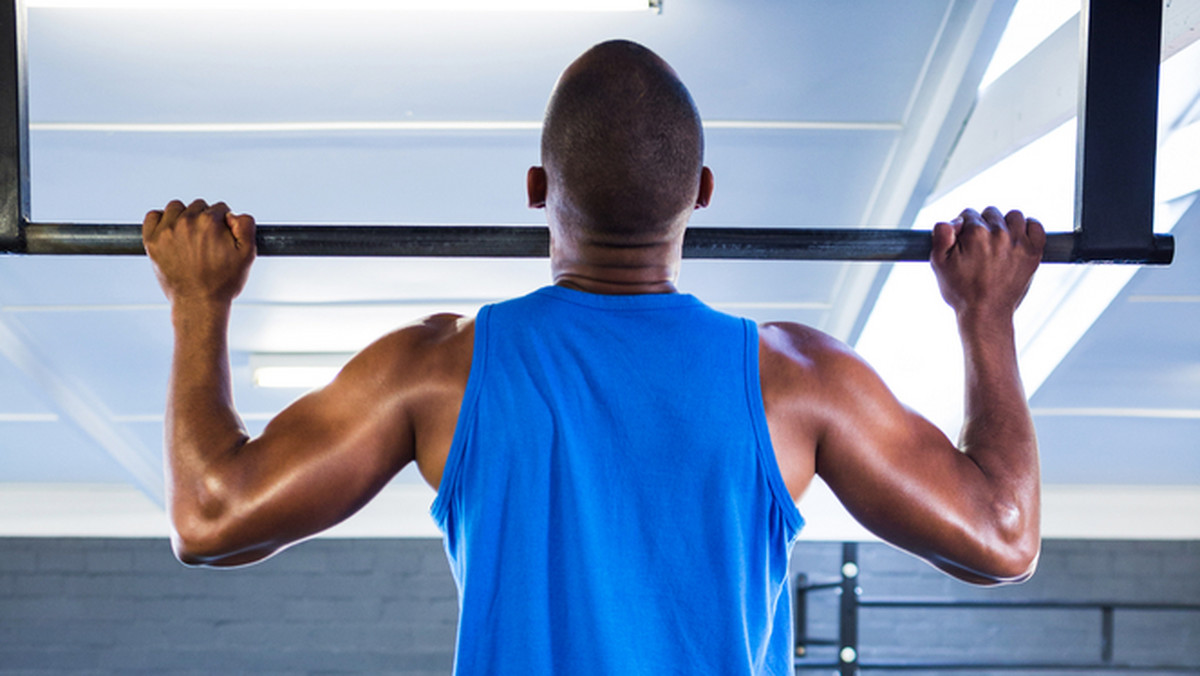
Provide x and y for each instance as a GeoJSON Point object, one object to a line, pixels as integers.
{"type": "Point", "coordinates": [436, 346]}
{"type": "Point", "coordinates": [800, 343]}
{"type": "Point", "coordinates": [796, 353]}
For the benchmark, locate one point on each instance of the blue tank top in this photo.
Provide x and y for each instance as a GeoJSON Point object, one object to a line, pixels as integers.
{"type": "Point", "coordinates": [611, 503]}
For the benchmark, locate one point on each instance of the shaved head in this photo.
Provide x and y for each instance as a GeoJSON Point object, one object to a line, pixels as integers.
{"type": "Point", "coordinates": [622, 145]}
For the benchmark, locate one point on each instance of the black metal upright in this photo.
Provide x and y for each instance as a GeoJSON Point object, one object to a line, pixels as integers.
{"type": "Point", "coordinates": [848, 612]}
{"type": "Point", "coordinates": [14, 132]}
{"type": "Point", "coordinates": [1120, 48]}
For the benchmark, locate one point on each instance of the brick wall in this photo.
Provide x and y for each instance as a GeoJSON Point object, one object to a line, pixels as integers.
{"type": "Point", "coordinates": [1069, 570]}
{"type": "Point", "coordinates": [119, 606]}
{"type": "Point", "coordinates": [124, 606]}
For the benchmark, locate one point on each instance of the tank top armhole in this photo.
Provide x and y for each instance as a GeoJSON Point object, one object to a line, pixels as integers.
{"type": "Point", "coordinates": [448, 487]}
{"type": "Point", "coordinates": [764, 448]}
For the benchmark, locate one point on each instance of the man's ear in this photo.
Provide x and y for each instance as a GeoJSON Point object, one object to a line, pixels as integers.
{"type": "Point", "coordinates": [535, 187]}
{"type": "Point", "coordinates": [704, 194]}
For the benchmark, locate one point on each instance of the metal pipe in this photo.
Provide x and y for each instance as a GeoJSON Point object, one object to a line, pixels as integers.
{"type": "Point", "coordinates": [473, 241]}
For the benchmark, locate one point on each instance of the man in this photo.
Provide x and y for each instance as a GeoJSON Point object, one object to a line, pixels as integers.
{"type": "Point", "coordinates": [617, 465]}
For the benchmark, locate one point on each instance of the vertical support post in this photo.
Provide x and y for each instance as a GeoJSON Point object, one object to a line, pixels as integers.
{"type": "Point", "coordinates": [800, 614]}
{"type": "Point", "coordinates": [1106, 634]}
{"type": "Point", "coordinates": [1118, 126]}
{"type": "Point", "coordinates": [848, 624]}
{"type": "Point", "coordinates": [14, 130]}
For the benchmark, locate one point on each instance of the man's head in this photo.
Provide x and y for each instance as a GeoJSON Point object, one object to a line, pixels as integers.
{"type": "Point", "coordinates": [622, 148]}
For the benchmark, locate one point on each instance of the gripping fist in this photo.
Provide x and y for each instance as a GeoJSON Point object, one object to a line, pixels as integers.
{"type": "Point", "coordinates": [985, 262]}
{"type": "Point", "coordinates": [199, 252]}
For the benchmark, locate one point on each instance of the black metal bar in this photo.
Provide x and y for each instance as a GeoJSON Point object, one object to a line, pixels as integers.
{"type": "Point", "coordinates": [1120, 47]}
{"type": "Point", "coordinates": [800, 615]}
{"type": "Point", "coordinates": [821, 586]}
{"type": "Point", "coordinates": [848, 616]}
{"type": "Point", "coordinates": [1025, 666]}
{"type": "Point", "coordinates": [861, 244]}
{"type": "Point", "coordinates": [14, 130]}
{"type": "Point", "coordinates": [1004, 604]}
{"type": "Point", "coordinates": [1106, 634]}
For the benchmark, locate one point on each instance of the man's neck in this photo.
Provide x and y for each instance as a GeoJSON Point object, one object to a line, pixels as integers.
{"type": "Point", "coordinates": [612, 270]}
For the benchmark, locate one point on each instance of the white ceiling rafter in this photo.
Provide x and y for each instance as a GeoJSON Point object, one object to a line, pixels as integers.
{"type": "Point", "coordinates": [940, 104]}
{"type": "Point", "coordinates": [76, 405]}
{"type": "Point", "coordinates": [1181, 25]}
{"type": "Point", "coordinates": [1038, 94]}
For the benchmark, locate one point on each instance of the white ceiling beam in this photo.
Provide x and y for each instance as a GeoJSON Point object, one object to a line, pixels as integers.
{"type": "Point", "coordinates": [1039, 93]}
{"type": "Point", "coordinates": [1036, 95]}
{"type": "Point", "coordinates": [940, 104]}
{"type": "Point", "coordinates": [78, 406]}
{"type": "Point", "coordinates": [1181, 25]}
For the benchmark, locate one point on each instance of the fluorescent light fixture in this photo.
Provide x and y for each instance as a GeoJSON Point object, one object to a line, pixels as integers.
{"type": "Point", "coordinates": [1031, 22]}
{"type": "Point", "coordinates": [370, 5]}
{"type": "Point", "coordinates": [296, 371]}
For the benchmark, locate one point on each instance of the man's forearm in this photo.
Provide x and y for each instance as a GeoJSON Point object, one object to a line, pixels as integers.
{"type": "Point", "coordinates": [201, 424]}
{"type": "Point", "coordinates": [998, 433]}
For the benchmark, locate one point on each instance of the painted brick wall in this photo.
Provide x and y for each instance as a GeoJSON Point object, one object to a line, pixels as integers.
{"type": "Point", "coordinates": [117, 606]}
{"type": "Point", "coordinates": [1070, 570]}
{"type": "Point", "coordinates": [124, 606]}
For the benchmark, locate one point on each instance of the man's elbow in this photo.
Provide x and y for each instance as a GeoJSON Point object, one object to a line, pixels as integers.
{"type": "Point", "coordinates": [194, 542]}
{"type": "Point", "coordinates": [1013, 558]}
{"type": "Point", "coordinates": [1014, 567]}
{"type": "Point", "coordinates": [215, 533]}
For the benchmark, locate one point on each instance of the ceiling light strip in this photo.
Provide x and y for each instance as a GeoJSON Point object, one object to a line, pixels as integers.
{"type": "Point", "coordinates": [158, 418]}
{"type": "Point", "coordinates": [1150, 298]}
{"type": "Point", "coordinates": [1100, 412]}
{"type": "Point", "coordinates": [416, 126]}
{"type": "Point", "coordinates": [361, 5]}
{"type": "Point", "coordinates": [802, 125]}
{"type": "Point", "coordinates": [772, 305]}
{"type": "Point", "coordinates": [28, 418]}
{"type": "Point", "coordinates": [128, 307]}
{"type": "Point", "coordinates": [267, 127]}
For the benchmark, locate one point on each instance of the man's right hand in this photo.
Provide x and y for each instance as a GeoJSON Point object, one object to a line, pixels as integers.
{"type": "Point", "coordinates": [200, 252]}
{"type": "Point", "coordinates": [985, 262]}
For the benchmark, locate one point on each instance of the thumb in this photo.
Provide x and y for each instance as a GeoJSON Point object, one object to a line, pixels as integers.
{"type": "Point", "coordinates": [242, 227]}
{"type": "Point", "coordinates": [942, 238]}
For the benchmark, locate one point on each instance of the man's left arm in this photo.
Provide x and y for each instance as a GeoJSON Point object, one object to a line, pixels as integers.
{"type": "Point", "coordinates": [234, 500]}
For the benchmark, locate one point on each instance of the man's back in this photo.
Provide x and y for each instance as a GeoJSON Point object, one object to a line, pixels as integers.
{"type": "Point", "coordinates": [611, 501]}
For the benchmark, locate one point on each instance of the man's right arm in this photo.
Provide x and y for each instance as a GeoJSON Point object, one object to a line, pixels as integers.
{"type": "Point", "coordinates": [973, 510]}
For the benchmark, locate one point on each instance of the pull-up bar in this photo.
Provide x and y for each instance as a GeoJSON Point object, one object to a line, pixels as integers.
{"type": "Point", "coordinates": [525, 242]}
{"type": "Point", "coordinates": [1114, 197]}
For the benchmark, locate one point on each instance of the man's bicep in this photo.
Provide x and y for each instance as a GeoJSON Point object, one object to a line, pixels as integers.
{"type": "Point", "coordinates": [315, 464]}
{"type": "Point", "coordinates": [894, 471]}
